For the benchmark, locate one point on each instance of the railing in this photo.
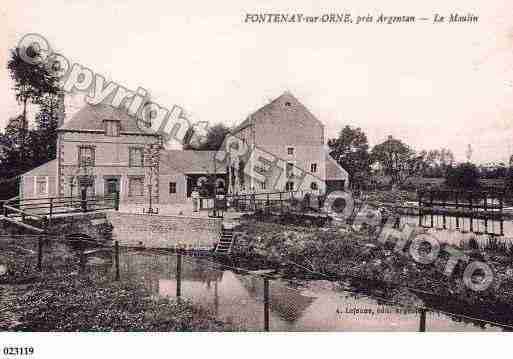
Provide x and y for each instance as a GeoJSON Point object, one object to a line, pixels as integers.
{"type": "Point", "coordinates": [284, 201]}
{"type": "Point", "coordinates": [45, 209]}
{"type": "Point", "coordinates": [477, 208]}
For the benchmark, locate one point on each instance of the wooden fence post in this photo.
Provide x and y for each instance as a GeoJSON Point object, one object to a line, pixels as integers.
{"type": "Point", "coordinates": [444, 219]}
{"type": "Point", "coordinates": [501, 220]}
{"type": "Point", "coordinates": [431, 207]}
{"type": "Point", "coordinates": [420, 208]}
{"type": "Point", "coordinates": [422, 324]}
{"type": "Point", "coordinates": [82, 262]}
{"type": "Point", "coordinates": [83, 199]}
{"type": "Point", "coordinates": [50, 212]}
{"type": "Point", "coordinates": [457, 213]}
{"type": "Point", "coordinates": [471, 213]}
{"type": "Point", "coordinates": [116, 200]}
{"type": "Point", "coordinates": [486, 213]}
{"type": "Point", "coordinates": [40, 254]}
{"type": "Point", "coordinates": [266, 304]}
{"type": "Point", "coordinates": [116, 259]}
{"type": "Point", "coordinates": [178, 276]}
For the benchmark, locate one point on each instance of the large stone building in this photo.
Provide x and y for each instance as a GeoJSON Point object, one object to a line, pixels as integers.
{"type": "Point", "coordinates": [107, 145]}
{"type": "Point", "coordinates": [286, 129]}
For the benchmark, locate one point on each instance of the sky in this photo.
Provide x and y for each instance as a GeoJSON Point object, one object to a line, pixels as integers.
{"type": "Point", "coordinates": [431, 85]}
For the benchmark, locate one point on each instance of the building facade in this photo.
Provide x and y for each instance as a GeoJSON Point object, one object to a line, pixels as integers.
{"type": "Point", "coordinates": [289, 132]}
{"type": "Point", "coordinates": [107, 147]}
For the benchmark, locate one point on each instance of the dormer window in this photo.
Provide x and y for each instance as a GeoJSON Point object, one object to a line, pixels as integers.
{"type": "Point", "coordinates": [111, 128]}
{"type": "Point", "coordinates": [288, 104]}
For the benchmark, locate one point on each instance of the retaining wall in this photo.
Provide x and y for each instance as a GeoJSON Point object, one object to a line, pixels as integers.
{"type": "Point", "coordinates": [157, 231]}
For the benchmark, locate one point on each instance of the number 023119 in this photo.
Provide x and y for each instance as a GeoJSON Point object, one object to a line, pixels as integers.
{"type": "Point", "coordinates": [15, 351]}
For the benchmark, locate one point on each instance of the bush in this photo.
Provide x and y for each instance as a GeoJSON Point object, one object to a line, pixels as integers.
{"type": "Point", "coordinates": [465, 175]}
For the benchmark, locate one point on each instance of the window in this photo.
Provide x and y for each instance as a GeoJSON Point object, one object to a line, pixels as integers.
{"type": "Point", "coordinates": [287, 104]}
{"type": "Point", "coordinates": [85, 156]}
{"type": "Point", "coordinates": [290, 169]}
{"type": "Point", "coordinates": [111, 128]}
{"type": "Point", "coordinates": [135, 157]}
{"type": "Point", "coordinates": [172, 187]}
{"type": "Point", "coordinates": [41, 185]}
{"type": "Point", "coordinates": [290, 151]}
{"type": "Point", "coordinates": [289, 186]}
{"type": "Point", "coordinates": [262, 185]}
{"type": "Point", "coordinates": [313, 167]}
{"type": "Point", "coordinates": [313, 186]}
{"type": "Point", "coordinates": [135, 186]}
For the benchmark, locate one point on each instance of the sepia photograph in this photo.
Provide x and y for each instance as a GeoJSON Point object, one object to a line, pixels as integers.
{"type": "Point", "coordinates": [292, 167]}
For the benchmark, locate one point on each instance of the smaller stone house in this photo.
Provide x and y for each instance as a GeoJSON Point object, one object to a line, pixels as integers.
{"type": "Point", "coordinates": [108, 146]}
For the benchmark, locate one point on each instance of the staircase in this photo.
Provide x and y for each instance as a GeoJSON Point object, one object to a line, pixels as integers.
{"type": "Point", "coordinates": [224, 246]}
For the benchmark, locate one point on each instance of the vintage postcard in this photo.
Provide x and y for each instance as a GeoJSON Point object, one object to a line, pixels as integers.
{"type": "Point", "coordinates": [255, 166]}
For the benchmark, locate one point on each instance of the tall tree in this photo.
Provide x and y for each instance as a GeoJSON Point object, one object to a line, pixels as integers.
{"type": "Point", "coordinates": [31, 82]}
{"type": "Point", "coordinates": [44, 138]}
{"type": "Point", "coordinates": [213, 139]}
{"type": "Point", "coordinates": [351, 151]}
{"type": "Point", "coordinates": [397, 160]}
{"type": "Point", "coordinates": [436, 162]}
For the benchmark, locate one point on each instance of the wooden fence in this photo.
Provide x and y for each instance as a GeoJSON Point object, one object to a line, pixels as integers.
{"type": "Point", "coordinates": [480, 212]}
{"type": "Point", "coordinates": [285, 201]}
{"type": "Point", "coordinates": [43, 210]}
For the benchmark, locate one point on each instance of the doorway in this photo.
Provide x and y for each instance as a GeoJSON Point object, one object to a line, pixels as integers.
{"type": "Point", "coordinates": [111, 186]}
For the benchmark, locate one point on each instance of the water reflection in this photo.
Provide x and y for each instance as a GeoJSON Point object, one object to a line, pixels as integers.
{"type": "Point", "coordinates": [238, 298]}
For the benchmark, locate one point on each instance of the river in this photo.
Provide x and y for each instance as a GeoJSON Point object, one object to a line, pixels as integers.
{"type": "Point", "coordinates": [238, 298]}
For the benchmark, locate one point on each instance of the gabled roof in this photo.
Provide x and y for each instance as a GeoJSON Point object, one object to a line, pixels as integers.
{"type": "Point", "coordinates": [46, 169]}
{"type": "Point", "coordinates": [334, 171]}
{"type": "Point", "coordinates": [275, 108]}
{"type": "Point", "coordinates": [189, 162]}
{"type": "Point", "coordinates": [91, 117]}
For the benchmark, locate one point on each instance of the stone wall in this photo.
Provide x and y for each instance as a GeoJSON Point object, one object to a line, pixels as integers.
{"type": "Point", "coordinates": [92, 224]}
{"type": "Point", "coordinates": [156, 231]}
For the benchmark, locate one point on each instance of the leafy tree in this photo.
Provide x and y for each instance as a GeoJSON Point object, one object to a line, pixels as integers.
{"type": "Point", "coordinates": [437, 161]}
{"type": "Point", "coordinates": [397, 160]}
{"type": "Point", "coordinates": [22, 147]}
{"type": "Point", "coordinates": [465, 175]}
{"type": "Point", "coordinates": [15, 139]}
{"type": "Point", "coordinates": [44, 138]}
{"type": "Point", "coordinates": [31, 82]}
{"type": "Point", "coordinates": [351, 151]}
{"type": "Point", "coordinates": [213, 139]}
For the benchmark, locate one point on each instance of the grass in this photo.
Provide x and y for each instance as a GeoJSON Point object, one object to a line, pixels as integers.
{"type": "Point", "coordinates": [371, 266]}
{"type": "Point", "coordinates": [59, 299]}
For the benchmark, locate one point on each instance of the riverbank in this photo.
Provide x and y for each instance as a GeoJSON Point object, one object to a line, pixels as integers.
{"type": "Point", "coordinates": [61, 299]}
{"type": "Point", "coordinates": [369, 266]}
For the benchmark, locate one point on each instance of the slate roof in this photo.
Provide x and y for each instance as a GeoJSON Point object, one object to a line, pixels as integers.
{"type": "Point", "coordinates": [334, 171]}
{"type": "Point", "coordinates": [275, 109]}
{"type": "Point", "coordinates": [46, 169]}
{"type": "Point", "coordinates": [91, 117]}
{"type": "Point", "coordinates": [189, 162]}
